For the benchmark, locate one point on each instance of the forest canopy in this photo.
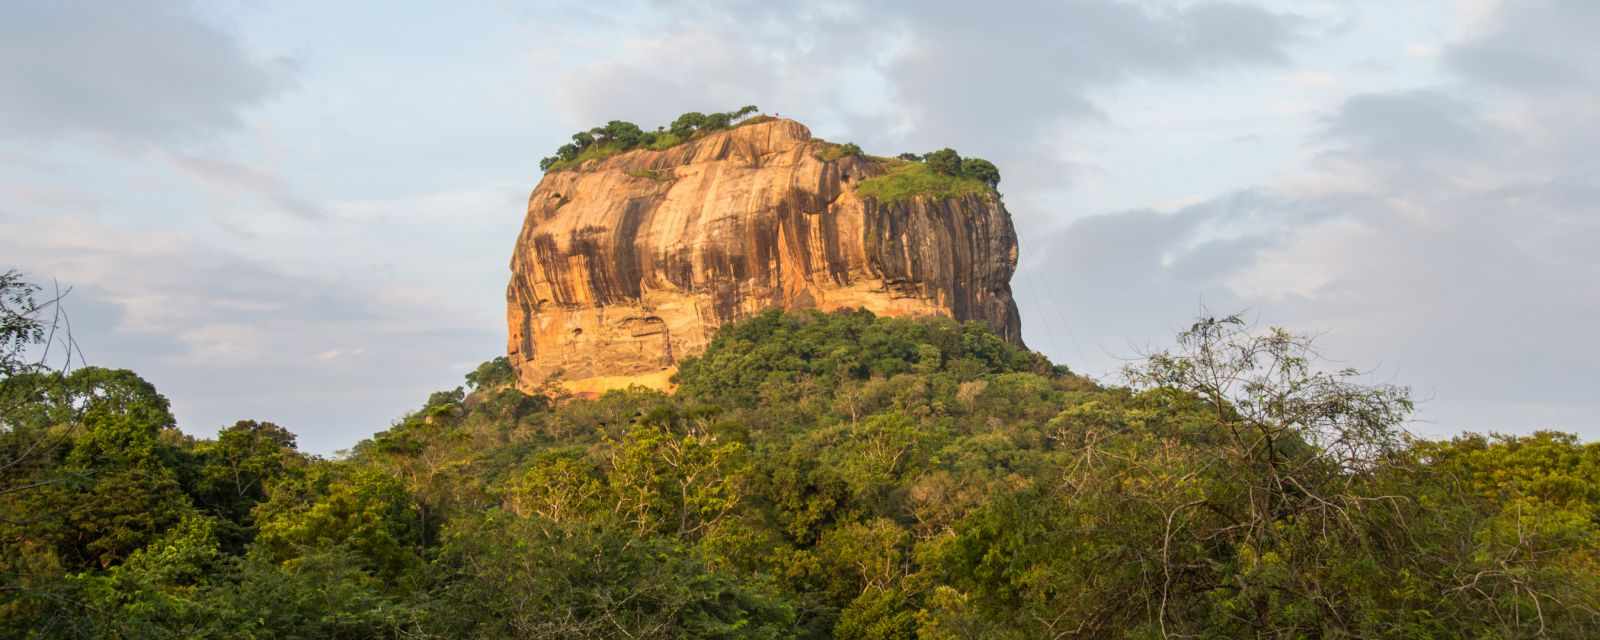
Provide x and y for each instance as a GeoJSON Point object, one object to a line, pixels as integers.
{"type": "Point", "coordinates": [814, 476]}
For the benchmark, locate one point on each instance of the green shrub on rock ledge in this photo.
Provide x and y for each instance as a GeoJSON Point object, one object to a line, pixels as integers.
{"type": "Point", "coordinates": [938, 174]}
{"type": "Point", "coordinates": [911, 179]}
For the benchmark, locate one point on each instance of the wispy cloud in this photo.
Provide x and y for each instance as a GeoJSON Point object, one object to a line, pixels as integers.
{"type": "Point", "coordinates": [237, 178]}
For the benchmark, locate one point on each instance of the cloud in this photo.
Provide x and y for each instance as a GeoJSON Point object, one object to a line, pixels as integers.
{"type": "Point", "coordinates": [240, 311]}
{"type": "Point", "coordinates": [1534, 45]}
{"type": "Point", "coordinates": [1443, 235]}
{"type": "Point", "coordinates": [957, 85]}
{"type": "Point", "coordinates": [1409, 126]}
{"type": "Point", "coordinates": [228, 337]}
{"type": "Point", "coordinates": [129, 73]}
{"type": "Point", "coordinates": [231, 176]}
{"type": "Point", "coordinates": [916, 76]}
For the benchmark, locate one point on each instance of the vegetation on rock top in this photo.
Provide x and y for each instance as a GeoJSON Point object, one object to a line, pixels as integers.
{"type": "Point", "coordinates": [618, 136]}
{"type": "Point", "coordinates": [938, 174]}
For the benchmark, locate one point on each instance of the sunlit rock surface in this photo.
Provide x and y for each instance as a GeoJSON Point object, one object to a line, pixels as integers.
{"type": "Point", "coordinates": [627, 265]}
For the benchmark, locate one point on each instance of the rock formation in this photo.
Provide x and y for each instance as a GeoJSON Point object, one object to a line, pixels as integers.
{"type": "Point", "coordinates": [627, 264]}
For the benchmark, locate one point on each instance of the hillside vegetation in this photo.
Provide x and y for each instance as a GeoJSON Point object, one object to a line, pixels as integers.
{"type": "Point", "coordinates": [815, 476]}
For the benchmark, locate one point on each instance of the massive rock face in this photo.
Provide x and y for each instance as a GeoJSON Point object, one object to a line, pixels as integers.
{"type": "Point", "coordinates": [628, 264]}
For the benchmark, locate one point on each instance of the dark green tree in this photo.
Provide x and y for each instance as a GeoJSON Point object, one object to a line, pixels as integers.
{"type": "Point", "coordinates": [686, 124]}
{"type": "Point", "coordinates": [945, 161]}
{"type": "Point", "coordinates": [981, 169]}
{"type": "Point", "coordinates": [236, 469]}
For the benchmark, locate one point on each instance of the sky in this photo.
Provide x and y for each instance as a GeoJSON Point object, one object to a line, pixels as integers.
{"type": "Point", "coordinates": [303, 211]}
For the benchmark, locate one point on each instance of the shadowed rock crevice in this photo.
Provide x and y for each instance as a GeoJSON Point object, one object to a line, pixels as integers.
{"type": "Point", "coordinates": [627, 264]}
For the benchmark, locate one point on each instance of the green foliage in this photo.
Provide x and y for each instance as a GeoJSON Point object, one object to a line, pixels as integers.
{"type": "Point", "coordinates": [982, 170]}
{"type": "Point", "coordinates": [493, 374]}
{"type": "Point", "coordinates": [364, 510]}
{"type": "Point", "coordinates": [944, 162]}
{"type": "Point", "coordinates": [505, 576]}
{"type": "Point", "coordinates": [814, 476]}
{"type": "Point", "coordinates": [673, 476]}
{"type": "Point", "coordinates": [325, 594]}
{"type": "Point", "coordinates": [764, 355]}
{"type": "Point", "coordinates": [831, 152]}
{"type": "Point", "coordinates": [910, 180]}
{"type": "Point", "coordinates": [236, 468]}
{"type": "Point", "coordinates": [618, 136]}
{"type": "Point", "coordinates": [939, 174]}
{"type": "Point", "coordinates": [20, 323]}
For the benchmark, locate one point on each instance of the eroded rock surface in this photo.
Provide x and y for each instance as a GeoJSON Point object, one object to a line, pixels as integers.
{"type": "Point", "coordinates": [628, 264]}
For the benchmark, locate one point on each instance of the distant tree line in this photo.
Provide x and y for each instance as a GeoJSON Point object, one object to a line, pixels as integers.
{"type": "Point", "coordinates": [619, 135]}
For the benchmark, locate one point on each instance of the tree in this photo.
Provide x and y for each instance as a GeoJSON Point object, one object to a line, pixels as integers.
{"type": "Point", "coordinates": [364, 510]}
{"type": "Point", "coordinates": [528, 578]}
{"type": "Point", "coordinates": [622, 133]}
{"type": "Point", "coordinates": [559, 487]}
{"type": "Point", "coordinates": [873, 455]}
{"type": "Point", "coordinates": [1270, 402]}
{"type": "Point", "coordinates": [123, 417]}
{"type": "Point", "coordinates": [236, 469]}
{"type": "Point", "coordinates": [20, 324]}
{"type": "Point", "coordinates": [35, 414]}
{"type": "Point", "coordinates": [981, 169]}
{"type": "Point", "coordinates": [686, 124]}
{"type": "Point", "coordinates": [326, 593]}
{"type": "Point", "coordinates": [674, 476]}
{"type": "Point", "coordinates": [491, 375]}
{"type": "Point", "coordinates": [1300, 450]}
{"type": "Point", "coordinates": [945, 161]}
